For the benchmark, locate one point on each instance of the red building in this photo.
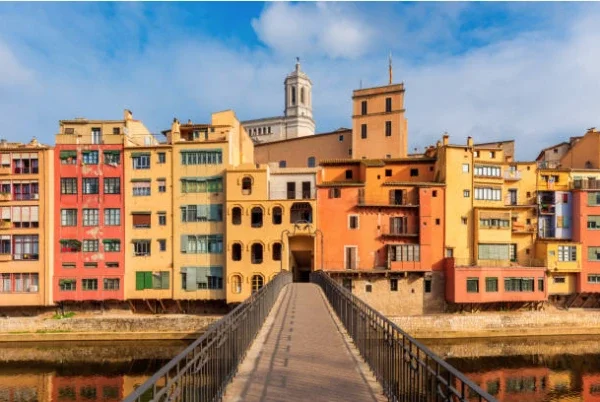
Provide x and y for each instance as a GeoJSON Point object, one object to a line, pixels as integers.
{"type": "Point", "coordinates": [88, 220]}
{"type": "Point", "coordinates": [586, 229]}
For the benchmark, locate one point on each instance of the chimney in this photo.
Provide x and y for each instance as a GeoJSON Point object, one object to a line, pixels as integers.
{"type": "Point", "coordinates": [189, 122]}
{"type": "Point", "coordinates": [470, 142]}
{"type": "Point", "coordinates": [127, 115]}
{"type": "Point", "coordinates": [438, 144]}
{"type": "Point", "coordinates": [175, 134]}
{"type": "Point", "coordinates": [445, 139]}
{"type": "Point", "coordinates": [3, 143]}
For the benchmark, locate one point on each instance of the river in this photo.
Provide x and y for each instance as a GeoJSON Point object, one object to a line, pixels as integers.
{"type": "Point", "coordinates": [512, 369]}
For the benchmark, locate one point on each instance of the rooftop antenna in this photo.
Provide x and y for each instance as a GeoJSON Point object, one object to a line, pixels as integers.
{"type": "Point", "coordinates": [390, 68]}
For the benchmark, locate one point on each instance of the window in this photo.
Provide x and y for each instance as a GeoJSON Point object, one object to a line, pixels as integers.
{"type": "Point", "coordinates": [594, 278]}
{"type": "Point", "coordinates": [388, 128]}
{"type": "Point", "coordinates": [195, 278]}
{"type": "Point", "coordinates": [282, 164]}
{"type": "Point", "coordinates": [434, 193]}
{"type": "Point", "coordinates": [203, 213]}
{"type": "Point", "coordinates": [68, 186]}
{"type": "Point", "coordinates": [490, 171]}
{"type": "Point", "coordinates": [111, 283]}
{"type": "Point", "coordinates": [347, 284]}
{"type": "Point", "coordinates": [257, 283]}
{"type": "Point", "coordinates": [488, 193]}
{"type": "Point", "coordinates": [140, 160]}
{"type": "Point", "coordinates": [301, 212]}
{"type": "Point", "coordinates": [162, 245]}
{"type": "Point", "coordinates": [68, 217]}
{"type": "Point", "coordinates": [363, 131]}
{"type": "Point", "coordinates": [151, 280]}
{"type": "Point", "coordinates": [311, 161]}
{"type": "Point", "coordinates": [593, 253]}
{"type": "Point", "coordinates": [112, 185]}
{"type": "Point", "coordinates": [162, 185]}
{"type": "Point", "coordinates": [91, 246]}
{"type": "Point", "coordinates": [141, 248]}
{"type": "Point", "coordinates": [141, 188]}
{"type": "Point", "coordinates": [348, 174]}
{"type": "Point", "coordinates": [306, 190]}
{"type": "Point", "coordinates": [19, 283]}
{"type": "Point", "coordinates": [112, 158]}
{"type": "Point", "coordinates": [68, 265]}
{"type": "Point", "coordinates": [90, 265]}
{"type": "Point", "coordinates": [476, 154]}
{"type": "Point", "coordinates": [465, 168]}
{"type": "Point", "coordinates": [204, 157]}
{"type": "Point", "coordinates": [541, 284]}
{"type": "Point", "coordinates": [388, 105]}
{"type": "Point", "coordinates": [393, 285]}
{"type": "Point", "coordinates": [67, 285]}
{"type": "Point", "coordinates": [368, 288]}
{"type": "Point", "coordinates": [519, 284]}
{"type": "Point", "coordinates": [363, 107]}
{"type": "Point", "coordinates": [68, 157]}
{"type": "Point", "coordinates": [89, 157]}
{"type": "Point", "coordinates": [277, 216]}
{"type": "Point", "coordinates": [472, 285]}
{"type": "Point", "coordinates": [437, 221]}
{"type": "Point", "coordinates": [22, 217]}
{"type": "Point", "coordinates": [162, 219]}
{"type": "Point", "coordinates": [256, 217]}
{"type": "Point", "coordinates": [335, 192]}
{"type": "Point", "coordinates": [24, 190]}
{"type": "Point", "coordinates": [142, 220]}
{"type": "Point", "coordinates": [162, 157]}
{"type": "Point", "coordinates": [236, 216]}
{"type": "Point", "coordinates": [593, 222]}
{"type": "Point", "coordinates": [492, 154]}
{"type": "Point", "coordinates": [256, 253]}
{"type": "Point", "coordinates": [276, 252]}
{"type": "Point", "coordinates": [464, 220]}
{"type": "Point", "coordinates": [341, 138]}
{"type": "Point", "coordinates": [427, 285]}
{"type": "Point", "coordinates": [495, 223]}
{"type": "Point", "coordinates": [236, 284]}
{"type": "Point", "coordinates": [493, 251]}
{"type": "Point", "coordinates": [567, 253]}
{"type": "Point", "coordinates": [414, 172]}
{"type": "Point", "coordinates": [202, 184]}
{"type": "Point", "coordinates": [111, 245]}
{"type": "Point", "coordinates": [236, 252]}
{"type": "Point", "coordinates": [246, 186]}
{"type": "Point", "coordinates": [89, 284]}
{"type": "Point", "coordinates": [202, 244]}
{"type": "Point", "coordinates": [353, 222]}
{"type": "Point", "coordinates": [404, 252]}
{"type": "Point", "coordinates": [25, 247]}
{"type": "Point", "coordinates": [116, 130]}
{"type": "Point", "coordinates": [90, 217]}
{"type": "Point", "coordinates": [491, 284]}
{"type": "Point", "coordinates": [388, 172]}
{"type": "Point", "coordinates": [96, 135]}
{"type": "Point", "coordinates": [112, 217]}
{"type": "Point", "coordinates": [293, 96]}
{"type": "Point", "coordinates": [91, 185]}
{"type": "Point", "coordinates": [593, 198]}
{"type": "Point", "coordinates": [69, 245]}
{"type": "Point", "coordinates": [512, 252]}
{"type": "Point", "coordinates": [559, 279]}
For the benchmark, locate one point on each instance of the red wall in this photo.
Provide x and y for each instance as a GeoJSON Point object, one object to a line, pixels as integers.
{"type": "Point", "coordinates": [587, 237]}
{"type": "Point", "coordinates": [79, 232]}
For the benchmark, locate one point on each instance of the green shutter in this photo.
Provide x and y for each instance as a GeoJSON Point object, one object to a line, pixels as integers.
{"type": "Point", "coordinates": [139, 281]}
{"type": "Point", "coordinates": [148, 280]}
{"type": "Point", "coordinates": [68, 154]}
{"type": "Point", "coordinates": [164, 276]}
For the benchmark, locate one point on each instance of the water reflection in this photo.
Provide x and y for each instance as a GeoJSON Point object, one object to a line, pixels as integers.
{"type": "Point", "coordinates": [79, 371]}
{"type": "Point", "coordinates": [526, 369]}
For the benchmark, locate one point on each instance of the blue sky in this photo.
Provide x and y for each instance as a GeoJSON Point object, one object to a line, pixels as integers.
{"type": "Point", "coordinates": [527, 71]}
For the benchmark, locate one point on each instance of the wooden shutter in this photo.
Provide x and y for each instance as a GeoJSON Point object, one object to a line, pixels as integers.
{"type": "Point", "coordinates": [142, 219]}
{"type": "Point", "coordinates": [139, 280]}
{"type": "Point", "coordinates": [148, 280]}
{"type": "Point", "coordinates": [164, 280]}
{"type": "Point", "coordinates": [35, 214]}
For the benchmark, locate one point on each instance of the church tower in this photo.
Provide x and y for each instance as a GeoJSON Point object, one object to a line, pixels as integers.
{"type": "Point", "coordinates": [298, 104]}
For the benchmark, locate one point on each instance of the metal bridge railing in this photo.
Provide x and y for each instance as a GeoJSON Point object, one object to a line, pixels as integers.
{"type": "Point", "coordinates": [201, 372]}
{"type": "Point", "coordinates": [407, 370]}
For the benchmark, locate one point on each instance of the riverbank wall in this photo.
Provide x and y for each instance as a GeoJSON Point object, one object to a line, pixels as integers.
{"type": "Point", "coordinates": [501, 324]}
{"type": "Point", "coordinates": [103, 328]}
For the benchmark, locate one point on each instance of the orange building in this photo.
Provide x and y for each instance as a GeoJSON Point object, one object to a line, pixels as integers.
{"type": "Point", "coordinates": [381, 220]}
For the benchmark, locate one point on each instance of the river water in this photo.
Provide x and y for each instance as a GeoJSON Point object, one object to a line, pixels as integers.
{"type": "Point", "coordinates": [513, 369]}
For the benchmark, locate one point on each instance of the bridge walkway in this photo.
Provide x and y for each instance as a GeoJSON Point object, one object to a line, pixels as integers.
{"type": "Point", "coordinates": [302, 353]}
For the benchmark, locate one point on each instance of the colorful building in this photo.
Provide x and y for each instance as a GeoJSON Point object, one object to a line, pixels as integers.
{"type": "Point", "coordinates": [26, 257]}
{"type": "Point", "coordinates": [89, 230]}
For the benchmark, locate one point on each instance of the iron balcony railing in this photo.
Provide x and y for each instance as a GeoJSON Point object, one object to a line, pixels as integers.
{"type": "Point", "coordinates": [406, 369]}
{"type": "Point", "coordinates": [202, 371]}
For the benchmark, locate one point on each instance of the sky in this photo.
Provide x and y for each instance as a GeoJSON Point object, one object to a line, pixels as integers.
{"type": "Point", "coordinates": [493, 71]}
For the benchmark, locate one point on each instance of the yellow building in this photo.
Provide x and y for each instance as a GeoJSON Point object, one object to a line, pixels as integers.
{"type": "Point", "coordinates": [271, 226]}
{"type": "Point", "coordinates": [26, 228]}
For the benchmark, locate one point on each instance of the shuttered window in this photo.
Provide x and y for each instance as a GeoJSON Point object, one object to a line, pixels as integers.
{"type": "Point", "coordinates": [142, 220]}
{"type": "Point", "coordinates": [195, 278]}
{"type": "Point", "coordinates": [151, 280]}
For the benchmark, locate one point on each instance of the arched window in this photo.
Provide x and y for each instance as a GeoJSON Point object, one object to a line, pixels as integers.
{"type": "Point", "coordinates": [301, 211]}
{"type": "Point", "coordinates": [282, 164]}
{"type": "Point", "coordinates": [257, 253]}
{"type": "Point", "coordinates": [256, 217]}
{"type": "Point", "coordinates": [257, 283]}
{"type": "Point", "coordinates": [246, 186]}
{"type": "Point", "coordinates": [311, 161]}
{"type": "Point", "coordinates": [302, 95]}
{"type": "Point", "coordinates": [276, 252]}
{"type": "Point", "coordinates": [236, 252]}
{"type": "Point", "coordinates": [236, 284]}
{"type": "Point", "coordinates": [236, 216]}
{"type": "Point", "coordinates": [293, 96]}
{"type": "Point", "coordinates": [277, 215]}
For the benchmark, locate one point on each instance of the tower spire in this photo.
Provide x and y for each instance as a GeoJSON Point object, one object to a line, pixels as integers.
{"type": "Point", "coordinates": [297, 63]}
{"type": "Point", "coordinates": [390, 68]}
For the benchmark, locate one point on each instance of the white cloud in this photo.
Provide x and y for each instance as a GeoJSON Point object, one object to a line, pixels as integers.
{"type": "Point", "coordinates": [12, 72]}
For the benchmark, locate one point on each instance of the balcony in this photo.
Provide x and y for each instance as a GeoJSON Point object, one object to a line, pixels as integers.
{"type": "Point", "coordinates": [512, 175]}
{"type": "Point", "coordinates": [5, 197]}
{"type": "Point", "coordinates": [403, 202]}
{"type": "Point", "coordinates": [25, 197]}
{"type": "Point", "coordinates": [522, 228]}
{"type": "Point", "coordinates": [5, 257]}
{"type": "Point", "coordinates": [396, 231]}
{"type": "Point", "coordinates": [591, 184]}
{"type": "Point", "coordinates": [4, 225]}
{"type": "Point", "coordinates": [470, 262]}
{"type": "Point", "coordinates": [5, 170]}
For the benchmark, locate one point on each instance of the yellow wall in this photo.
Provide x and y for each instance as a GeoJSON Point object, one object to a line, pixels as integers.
{"type": "Point", "coordinates": [155, 203]}
{"type": "Point", "coordinates": [569, 285]}
{"type": "Point", "coordinates": [549, 252]}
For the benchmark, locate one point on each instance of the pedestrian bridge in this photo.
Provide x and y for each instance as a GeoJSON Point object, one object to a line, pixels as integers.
{"type": "Point", "coordinates": [306, 342]}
